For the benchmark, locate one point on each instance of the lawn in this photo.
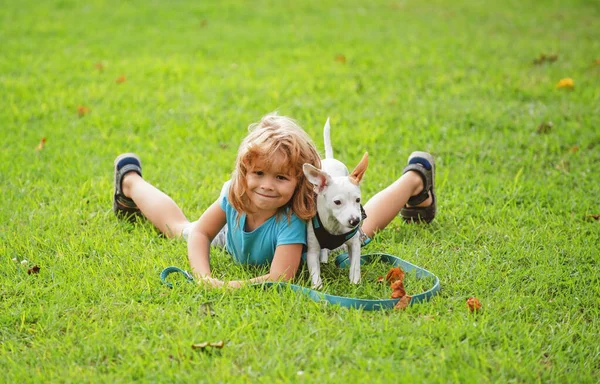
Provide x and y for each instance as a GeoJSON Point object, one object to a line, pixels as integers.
{"type": "Point", "coordinates": [474, 83]}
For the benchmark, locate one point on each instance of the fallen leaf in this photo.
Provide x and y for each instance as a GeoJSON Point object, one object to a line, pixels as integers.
{"type": "Point", "coordinates": [563, 165]}
{"type": "Point", "coordinates": [594, 217]}
{"type": "Point", "coordinates": [82, 110]}
{"type": "Point", "coordinates": [99, 66]}
{"type": "Point", "coordinates": [206, 309]}
{"type": "Point", "coordinates": [545, 58]}
{"type": "Point", "coordinates": [203, 23]}
{"type": "Point", "coordinates": [403, 302]}
{"type": "Point", "coordinates": [473, 304]}
{"type": "Point", "coordinates": [33, 270]}
{"type": "Point", "coordinates": [566, 83]}
{"type": "Point", "coordinates": [575, 149]}
{"type": "Point", "coordinates": [398, 289]}
{"type": "Point", "coordinates": [544, 127]}
{"type": "Point", "coordinates": [545, 361]}
{"type": "Point", "coordinates": [204, 345]}
{"type": "Point", "coordinates": [597, 61]}
{"type": "Point", "coordinates": [394, 274]}
{"type": "Point", "coordinates": [340, 58]}
{"type": "Point", "coordinates": [120, 79]}
{"type": "Point", "coordinates": [40, 146]}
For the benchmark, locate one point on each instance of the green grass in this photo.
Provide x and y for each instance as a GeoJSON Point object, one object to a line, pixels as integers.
{"type": "Point", "coordinates": [455, 78]}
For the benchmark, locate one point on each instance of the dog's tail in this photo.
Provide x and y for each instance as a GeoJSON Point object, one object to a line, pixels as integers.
{"type": "Point", "coordinates": [327, 140]}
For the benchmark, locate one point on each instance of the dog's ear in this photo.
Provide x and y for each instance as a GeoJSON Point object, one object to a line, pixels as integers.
{"type": "Point", "coordinates": [358, 172]}
{"type": "Point", "coordinates": [318, 178]}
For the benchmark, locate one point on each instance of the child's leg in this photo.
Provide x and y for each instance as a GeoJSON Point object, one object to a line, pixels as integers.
{"type": "Point", "coordinates": [133, 195]}
{"type": "Point", "coordinates": [382, 208]}
{"type": "Point", "coordinates": [158, 207]}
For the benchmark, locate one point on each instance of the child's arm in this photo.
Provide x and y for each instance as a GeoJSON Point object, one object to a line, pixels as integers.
{"type": "Point", "coordinates": [283, 268]}
{"type": "Point", "coordinates": [201, 234]}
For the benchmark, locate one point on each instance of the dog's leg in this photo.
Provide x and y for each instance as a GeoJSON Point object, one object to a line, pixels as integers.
{"type": "Point", "coordinates": [312, 258]}
{"type": "Point", "coordinates": [324, 256]}
{"type": "Point", "coordinates": [314, 268]}
{"type": "Point", "coordinates": [354, 254]}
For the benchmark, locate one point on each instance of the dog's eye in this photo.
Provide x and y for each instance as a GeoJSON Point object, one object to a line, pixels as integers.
{"type": "Point", "coordinates": [337, 202]}
{"type": "Point", "coordinates": [358, 200]}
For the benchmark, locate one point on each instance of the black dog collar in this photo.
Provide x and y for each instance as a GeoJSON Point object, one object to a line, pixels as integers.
{"type": "Point", "coordinates": [329, 241]}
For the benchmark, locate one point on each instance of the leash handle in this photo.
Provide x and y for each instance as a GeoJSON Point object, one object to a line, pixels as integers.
{"type": "Point", "coordinates": [167, 271]}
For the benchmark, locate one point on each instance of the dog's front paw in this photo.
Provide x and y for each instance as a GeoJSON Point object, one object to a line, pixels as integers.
{"type": "Point", "coordinates": [354, 277]}
{"type": "Point", "coordinates": [317, 283]}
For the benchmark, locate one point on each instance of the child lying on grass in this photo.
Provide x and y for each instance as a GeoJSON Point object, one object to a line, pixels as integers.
{"type": "Point", "coordinates": [261, 214]}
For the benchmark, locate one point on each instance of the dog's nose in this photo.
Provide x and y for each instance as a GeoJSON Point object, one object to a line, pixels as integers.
{"type": "Point", "coordinates": [354, 221]}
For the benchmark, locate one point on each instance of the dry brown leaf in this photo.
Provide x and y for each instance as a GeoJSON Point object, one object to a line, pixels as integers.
{"type": "Point", "coordinates": [473, 304]}
{"type": "Point", "coordinates": [544, 127]}
{"type": "Point", "coordinates": [403, 302]}
{"type": "Point", "coordinates": [33, 270]}
{"type": "Point", "coordinates": [394, 274]}
{"type": "Point", "coordinates": [594, 217]}
{"type": "Point", "coordinates": [545, 361]}
{"type": "Point", "coordinates": [99, 66]}
{"type": "Point", "coordinates": [120, 79]}
{"type": "Point", "coordinates": [563, 165]}
{"type": "Point", "coordinates": [398, 289]}
{"type": "Point", "coordinates": [340, 58]}
{"type": "Point", "coordinates": [82, 110]}
{"type": "Point", "coordinates": [219, 344]}
{"type": "Point", "coordinates": [40, 146]}
{"type": "Point", "coordinates": [545, 58]}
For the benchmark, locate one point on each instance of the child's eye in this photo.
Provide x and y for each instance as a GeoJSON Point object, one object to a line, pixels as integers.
{"type": "Point", "coordinates": [337, 202]}
{"type": "Point", "coordinates": [281, 177]}
{"type": "Point", "coordinates": [259, 173]}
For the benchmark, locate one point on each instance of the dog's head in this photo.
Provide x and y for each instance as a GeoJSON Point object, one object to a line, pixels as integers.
{"type": "Point", "coordinates": [338, 198]}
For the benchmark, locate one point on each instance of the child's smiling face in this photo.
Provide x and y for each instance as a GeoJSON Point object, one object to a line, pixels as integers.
{"type": "Point", "coordinates": [270, 187]}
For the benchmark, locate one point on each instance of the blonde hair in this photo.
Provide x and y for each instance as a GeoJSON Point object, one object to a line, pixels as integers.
{"type": "Point", "coordinates": [281, 135]}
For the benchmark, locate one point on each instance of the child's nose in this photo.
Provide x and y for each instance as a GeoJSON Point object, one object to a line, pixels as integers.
{"type": "Point", "coordinates": [267, 183]}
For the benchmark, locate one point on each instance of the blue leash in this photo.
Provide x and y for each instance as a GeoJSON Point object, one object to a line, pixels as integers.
{"type": "Point", "coordinates": [349, 302]}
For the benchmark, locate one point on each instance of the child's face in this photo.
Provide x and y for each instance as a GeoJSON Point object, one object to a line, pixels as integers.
{"type": "Point", "coordinates": [270, 188]}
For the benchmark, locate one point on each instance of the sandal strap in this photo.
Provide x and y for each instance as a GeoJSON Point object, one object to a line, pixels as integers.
{"type": "Point", "coordinates": [123, 171]}
{"type": "Point", "coordinates": [426, 175]}
{"type": "Point", "coordinates": [419, 214]}
{"type": "Point", "coordinates": [125, 164]}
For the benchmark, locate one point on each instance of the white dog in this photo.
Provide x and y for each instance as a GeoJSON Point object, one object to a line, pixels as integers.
{"type": "Point", "coordinates": [339, 212]}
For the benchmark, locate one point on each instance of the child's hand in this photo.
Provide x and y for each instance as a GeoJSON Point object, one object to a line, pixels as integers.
{"type": "Point", "coordinates": [211, 282]}
{"type": "Point", "coordinates": [234, 284]}
{"type": "Point", "coordinates": [216, 283]}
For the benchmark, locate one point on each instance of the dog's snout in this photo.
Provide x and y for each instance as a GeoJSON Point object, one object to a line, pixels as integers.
{"type": "Point", "coordinates": [354, 221]}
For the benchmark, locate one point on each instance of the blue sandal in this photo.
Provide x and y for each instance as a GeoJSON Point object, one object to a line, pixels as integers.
{"type": "Point", "coordinates": [123, 206]}
{"type": "Point", "coordinates": [424, 164]}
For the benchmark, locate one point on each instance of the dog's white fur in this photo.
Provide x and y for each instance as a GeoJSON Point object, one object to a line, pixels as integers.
{"type": "Point", "coordinates": [338, 205]}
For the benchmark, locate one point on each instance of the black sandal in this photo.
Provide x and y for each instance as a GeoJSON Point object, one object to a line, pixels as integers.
{"type": "Point", "coordinates": [424, 165]}
{"type": "Point", "coordinates": [123, 206]}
